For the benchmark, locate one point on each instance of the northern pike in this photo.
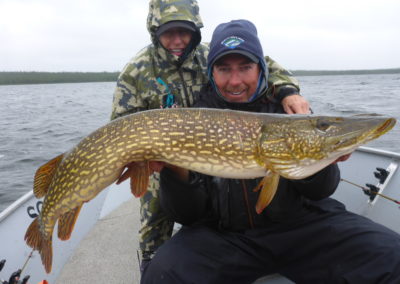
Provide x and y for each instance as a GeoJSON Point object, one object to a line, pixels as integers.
{"type": "Point", "coordinates": [225, 143]}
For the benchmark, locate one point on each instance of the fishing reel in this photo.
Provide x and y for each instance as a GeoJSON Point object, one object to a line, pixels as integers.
{"type": "Point", "coordinates": [383, 176]}
{"type": "Point", "coordinates": [15, 276]}
{"type": "Point", "coordinates": [373, 190]}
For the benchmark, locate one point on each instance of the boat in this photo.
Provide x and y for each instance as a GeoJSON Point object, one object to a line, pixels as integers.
{"type": "Point", "coordinates": [103, 245]}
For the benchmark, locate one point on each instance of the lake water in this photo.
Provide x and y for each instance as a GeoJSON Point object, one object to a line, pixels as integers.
{"type": "Point", "coordinates": [39, 122]}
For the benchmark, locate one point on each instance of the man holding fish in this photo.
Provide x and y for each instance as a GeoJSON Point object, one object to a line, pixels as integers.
{"type": "Point", "coordinates": [302, 234]}
{"type": "Point", "coordinates": [292, 153]}
{"type": "Point", "coordinates": [170, 73]}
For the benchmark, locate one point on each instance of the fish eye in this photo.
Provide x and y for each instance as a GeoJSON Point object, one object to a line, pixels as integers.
{"type": "Point", "coordinates": [323, 125]}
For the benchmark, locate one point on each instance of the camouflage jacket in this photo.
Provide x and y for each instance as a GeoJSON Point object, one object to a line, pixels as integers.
{"type": "Point", "coordinates": [153, 75]}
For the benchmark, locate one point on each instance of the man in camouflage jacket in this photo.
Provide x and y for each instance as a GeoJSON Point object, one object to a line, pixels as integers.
{"type": "Point", "coordinates": [156, 78]}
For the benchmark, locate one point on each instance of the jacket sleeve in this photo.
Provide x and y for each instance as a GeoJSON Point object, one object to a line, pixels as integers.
{"type": "Point", "coordinates": [126, 99]}
{"type": "Point", "coordinates": [281, 82]}
{"type": "Point", "coordinates": [320, 185]}
{"type": "Point", "coordinates": [183, 202]}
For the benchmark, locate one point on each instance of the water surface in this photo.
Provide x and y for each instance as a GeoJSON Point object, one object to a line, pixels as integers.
{"type": "Point", "coordinates": [39, 122]}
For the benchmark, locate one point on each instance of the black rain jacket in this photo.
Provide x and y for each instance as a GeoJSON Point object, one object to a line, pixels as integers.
{"type": "Point", "coordinates": [229, 204]}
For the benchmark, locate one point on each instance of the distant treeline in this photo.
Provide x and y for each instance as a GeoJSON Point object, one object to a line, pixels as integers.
{"type": "Point", "coordinates": [18, 78]}
{"type": "Point", "coordinates": [344, 72]}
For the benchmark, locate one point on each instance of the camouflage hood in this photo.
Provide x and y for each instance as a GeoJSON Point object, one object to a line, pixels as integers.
{"type": "Point", "coordinates": [163, 11]}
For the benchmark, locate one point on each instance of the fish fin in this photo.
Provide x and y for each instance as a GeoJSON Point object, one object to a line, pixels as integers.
{"type": "Point", "coordinates": [67, 222]}
{"type": "Point", "coordinates": [35, 240]}
{"type": "Point", "coordinates": [33, 237]}
{"type": "Point", "coordinates": [44, 175]}
{"type": "Point", "coordinates": [268, 186]}
{"type": "Point", "coordinates": [139, 173]}
{"type": "Point", "coordinates": [140, 178]}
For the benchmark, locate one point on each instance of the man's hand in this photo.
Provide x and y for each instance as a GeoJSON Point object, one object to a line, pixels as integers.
{"type": "Point", "coordinates": [181, 173]}
{"type": "Point", "coordinates": [156, 166]}
{"type": "Point", "coordinates": [295, 104]}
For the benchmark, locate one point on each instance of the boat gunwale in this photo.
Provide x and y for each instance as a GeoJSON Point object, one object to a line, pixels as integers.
{"type": "Point", "coordinates": [379, 152]}
{"type": "Point", "coordinates": [20, 201]}
{"type": "Point", "coordinates": [15, 205]}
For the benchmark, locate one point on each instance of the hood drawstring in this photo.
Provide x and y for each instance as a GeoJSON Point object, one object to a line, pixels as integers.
{"type": "Point", "coordinates": [168, 100]}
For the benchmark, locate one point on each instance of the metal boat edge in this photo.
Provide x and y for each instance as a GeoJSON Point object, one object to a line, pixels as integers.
{"type": "Point", "coordinates": [15, 218]}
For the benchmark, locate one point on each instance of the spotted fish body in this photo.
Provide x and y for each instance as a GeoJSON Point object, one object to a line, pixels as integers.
{"type": "Point", "coordinates": [225, 143]}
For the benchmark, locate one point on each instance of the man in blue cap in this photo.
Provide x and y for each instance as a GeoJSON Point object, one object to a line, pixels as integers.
{"type": "Point", "coordinates": [303, 234]}
{"type": "Point", "coordinates": [170, 72]}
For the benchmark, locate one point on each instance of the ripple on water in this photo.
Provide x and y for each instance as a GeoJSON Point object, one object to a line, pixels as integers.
{"type": "Point", "coordinates": [41, 121]}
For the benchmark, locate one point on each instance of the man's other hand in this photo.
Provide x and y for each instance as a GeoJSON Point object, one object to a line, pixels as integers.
{"type": "Point", "coordinates": [295, 104]}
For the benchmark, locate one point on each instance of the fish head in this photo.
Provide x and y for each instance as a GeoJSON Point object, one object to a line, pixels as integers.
{"type": "Point", "coordinates": [301, 145]}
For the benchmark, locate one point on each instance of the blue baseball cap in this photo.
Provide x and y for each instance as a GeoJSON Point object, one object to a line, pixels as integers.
{"type": "Point", "coordinates": [237, 36]}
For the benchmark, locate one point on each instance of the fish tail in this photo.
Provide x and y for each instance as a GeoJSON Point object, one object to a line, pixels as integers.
{"type": "Point", "coordinates": [46, 254]}
{"type": "Point", "coordinates": [35, 240]}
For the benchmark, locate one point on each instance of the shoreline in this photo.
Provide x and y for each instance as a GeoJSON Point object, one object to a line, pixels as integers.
{"type": "Point", "coordinates": [26, 78]}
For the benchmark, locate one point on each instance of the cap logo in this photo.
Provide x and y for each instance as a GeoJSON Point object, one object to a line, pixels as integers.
{"type": "Point", "coordinates": [232, 42]}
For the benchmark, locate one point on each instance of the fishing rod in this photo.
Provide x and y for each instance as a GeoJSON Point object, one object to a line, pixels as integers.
{"type": "Point", "coordinates": [372, 190]}
{"type": "Point", "coordinates": [26, 261]}
{"type": "Point", "coordinates": [15, 276]}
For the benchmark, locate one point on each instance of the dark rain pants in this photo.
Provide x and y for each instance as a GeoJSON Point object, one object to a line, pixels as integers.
{"type": "Point", "coordinates": [329, 245]}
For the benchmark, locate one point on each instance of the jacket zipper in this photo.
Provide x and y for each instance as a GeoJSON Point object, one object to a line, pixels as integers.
{"type": "Point", "coordinates": [184, 88]}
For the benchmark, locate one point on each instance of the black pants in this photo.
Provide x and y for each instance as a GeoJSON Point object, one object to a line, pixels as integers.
{"type": "Point", "coordinates": [329, 245]}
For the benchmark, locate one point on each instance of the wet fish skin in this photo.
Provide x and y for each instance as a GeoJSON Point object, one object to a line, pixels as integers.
{"type": "Point", "coordinates": [226, 143]}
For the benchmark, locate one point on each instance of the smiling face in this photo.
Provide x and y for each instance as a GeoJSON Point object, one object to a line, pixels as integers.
{"type": "Point", "coordinates": [175, 40]}
{"type": "Point", "coordinates": [236, 77]}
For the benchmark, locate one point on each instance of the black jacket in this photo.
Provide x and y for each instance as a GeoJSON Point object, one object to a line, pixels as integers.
{"type": "Point", "coordinates": [229, 204]}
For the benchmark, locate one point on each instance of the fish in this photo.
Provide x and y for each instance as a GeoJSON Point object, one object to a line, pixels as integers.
{"type": "Point", "coordinates": [224, 143]}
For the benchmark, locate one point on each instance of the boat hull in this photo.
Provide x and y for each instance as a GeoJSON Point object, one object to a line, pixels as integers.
{"type": "Point", "coordinates": [359, 169]}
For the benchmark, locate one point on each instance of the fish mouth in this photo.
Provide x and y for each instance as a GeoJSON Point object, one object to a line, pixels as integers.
{"type": "Point", "coordinates": [344, 142]}
{"type": "Point", "coordinates": [341, 137]}
{"type": "Point", "coordinates": [364, 131]}
{"type": "Point", "coordinates": [385, 127]}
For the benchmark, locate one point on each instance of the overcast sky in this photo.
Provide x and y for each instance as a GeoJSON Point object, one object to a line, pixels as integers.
{"type": "Point", "coordinates": [102, 35]}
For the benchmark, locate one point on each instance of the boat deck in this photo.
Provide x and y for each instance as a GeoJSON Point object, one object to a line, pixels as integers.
{"type": "Point", "coordinates": [107, 250]}
{"type": "Point", "coordinates": [107, 254]}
